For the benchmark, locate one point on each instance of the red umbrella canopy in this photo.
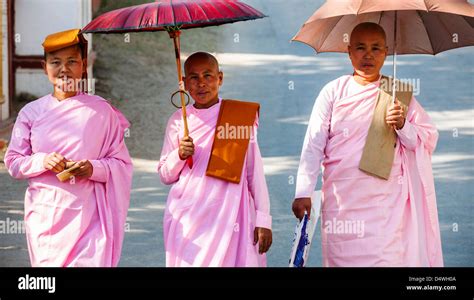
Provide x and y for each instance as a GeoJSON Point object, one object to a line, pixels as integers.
{"type": "Point", "coordinates": [163, 14]}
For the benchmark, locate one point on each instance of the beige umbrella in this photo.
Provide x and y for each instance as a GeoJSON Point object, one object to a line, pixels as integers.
{"type": "Point", "coordinates": [412, 26]}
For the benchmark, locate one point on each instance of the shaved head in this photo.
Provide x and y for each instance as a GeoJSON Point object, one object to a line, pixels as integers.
{"type": "Point", "coordinates": [367, 51]}
{"type": "Point", "coordinates": [203, 79]}
{"type": "Point", "coordinates": [201, 57]}
{"type": "Point", "coordinates": [368, 28]}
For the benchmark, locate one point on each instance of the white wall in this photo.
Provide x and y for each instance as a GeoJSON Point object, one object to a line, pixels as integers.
{"type": "Point", "coordinates": [34, 20]}
{"type": "Point", "coordinates": [4, 108]}
{"type": "Point", "coordinates": [32, 81]}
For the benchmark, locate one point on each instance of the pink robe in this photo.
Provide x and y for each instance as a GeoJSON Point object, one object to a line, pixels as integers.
{"type": "Point", "coordinates": [209, 222]}
{"type": "Point", "coordinates": [367, 221]}
{"type": "Point", "coordinates": [79, 222]}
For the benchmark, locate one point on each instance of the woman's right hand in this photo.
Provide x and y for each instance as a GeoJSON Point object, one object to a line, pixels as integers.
{"type": "Point", "coordinates": [300, 206]}
{"type": "Point", "coordinates": [55, 162]}
{"type": "Point", "coordinates": [186, 148]}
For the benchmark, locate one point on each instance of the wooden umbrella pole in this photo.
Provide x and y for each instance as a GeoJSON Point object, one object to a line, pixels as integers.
{"type": "Point", "coordinates": [175, 36]}
{"type": "Point", "coordinates": [394, 85]}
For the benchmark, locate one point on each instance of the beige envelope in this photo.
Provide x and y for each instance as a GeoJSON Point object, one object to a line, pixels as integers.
{"type": "Point", "coordinates": [379, 150]}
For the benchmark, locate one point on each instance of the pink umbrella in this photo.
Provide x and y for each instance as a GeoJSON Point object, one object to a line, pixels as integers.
{"type": "Point", "coordinates": [412, 26]}
{"type": "Point", "coordinates": [173, 16]}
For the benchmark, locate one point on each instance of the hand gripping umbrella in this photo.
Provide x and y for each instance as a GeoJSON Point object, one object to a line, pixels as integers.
{"type": "Point", "coordinates": [173, 16]}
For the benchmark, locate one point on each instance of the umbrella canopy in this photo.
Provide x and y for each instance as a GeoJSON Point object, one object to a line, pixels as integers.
{"type": "Point", "coordinates": [161, 15]}
{"type": "Point", "coordinates": [173, 16]}
{"type": "Point", "coordinates": [412, 27]}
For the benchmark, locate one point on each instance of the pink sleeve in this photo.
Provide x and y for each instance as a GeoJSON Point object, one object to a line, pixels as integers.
{"type": "Point", "coordinates": [314, 144]}
{"type": "Point", "coordinates": [101, 167]}
{"type": "Point", "coordinates": [19, 159]}
{"type": "Point", "coordinates": [170, 164]}
{"type": "Point", "coordinates": [418, 129]}
{"type": "Point", "coordinates": [257, 184]}
{"type": "Point", "coordinates": [407, 136]}
{"type": "Point", "coordinates": [99, 171]}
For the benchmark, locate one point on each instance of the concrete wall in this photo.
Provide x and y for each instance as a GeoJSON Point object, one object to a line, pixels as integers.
{"type": "Point", "coordinates": [4, 62]}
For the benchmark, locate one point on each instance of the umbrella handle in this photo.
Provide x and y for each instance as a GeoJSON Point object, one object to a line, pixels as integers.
{"type": "Point", "coordinates": [394, 86]}
{"type": "Point", "coordinates": [174, 34]}
{"type": "Point", "coordinates": [174, 94]}
{"type": "Point", "coordinates": [185, 121]}
{"type": "Point", "coordinates": [189, 160]}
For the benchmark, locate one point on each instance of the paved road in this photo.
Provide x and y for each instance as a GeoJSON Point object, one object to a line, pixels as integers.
{"type": "Point", "coordinates": [260, 64]}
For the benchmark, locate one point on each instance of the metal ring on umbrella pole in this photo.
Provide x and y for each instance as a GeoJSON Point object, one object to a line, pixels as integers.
{"type": "Point", "coordinates": [180, 91]}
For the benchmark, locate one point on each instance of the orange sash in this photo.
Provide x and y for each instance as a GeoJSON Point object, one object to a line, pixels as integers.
{"type": "Point", "coordinates": [233, 131]}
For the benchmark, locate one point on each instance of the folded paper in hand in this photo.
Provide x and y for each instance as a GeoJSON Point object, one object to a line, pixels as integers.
{"type": "Point", "coordinates": [304, 233]}
{"type": "Point", "coordinates": [66, 174]}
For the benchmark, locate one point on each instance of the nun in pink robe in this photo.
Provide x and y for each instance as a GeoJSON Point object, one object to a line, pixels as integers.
{"type": "Point", "coordinates": [397, 218]}
{"type": "Point", "coordinates": [209, 222]}
{"type": "Point", "coordinates": [76, 223]}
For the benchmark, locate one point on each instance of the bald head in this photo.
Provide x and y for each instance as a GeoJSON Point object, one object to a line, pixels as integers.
{"type": "Point", "coordinates": [201, 57]}
{"type": "Point", "coordinates": [203, 79]}
{"type": "Point", "coordinates": [367, 28]}
{"type": "Point", "coordinates": [367, 50]}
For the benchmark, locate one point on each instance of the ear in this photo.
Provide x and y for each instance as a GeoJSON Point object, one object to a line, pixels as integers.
{"type": "Point", "coordinates": [349, 50]}
{"type": "Point", "coordinates": [185, 83]}
{"type": "Point", "coordinates": [43, 64]}
{"type": "Point", "coordinates": [221, 78]}
{"type": "Point", "coordinates": [84, 65]}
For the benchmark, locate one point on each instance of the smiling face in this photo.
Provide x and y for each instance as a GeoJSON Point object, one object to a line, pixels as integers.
{"type": "Point", "coordinates": [203, 79]}
{"type": "Point", "coordinates": [368, 50]}
{"type": "Point", "coordinates": [64, 68]}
